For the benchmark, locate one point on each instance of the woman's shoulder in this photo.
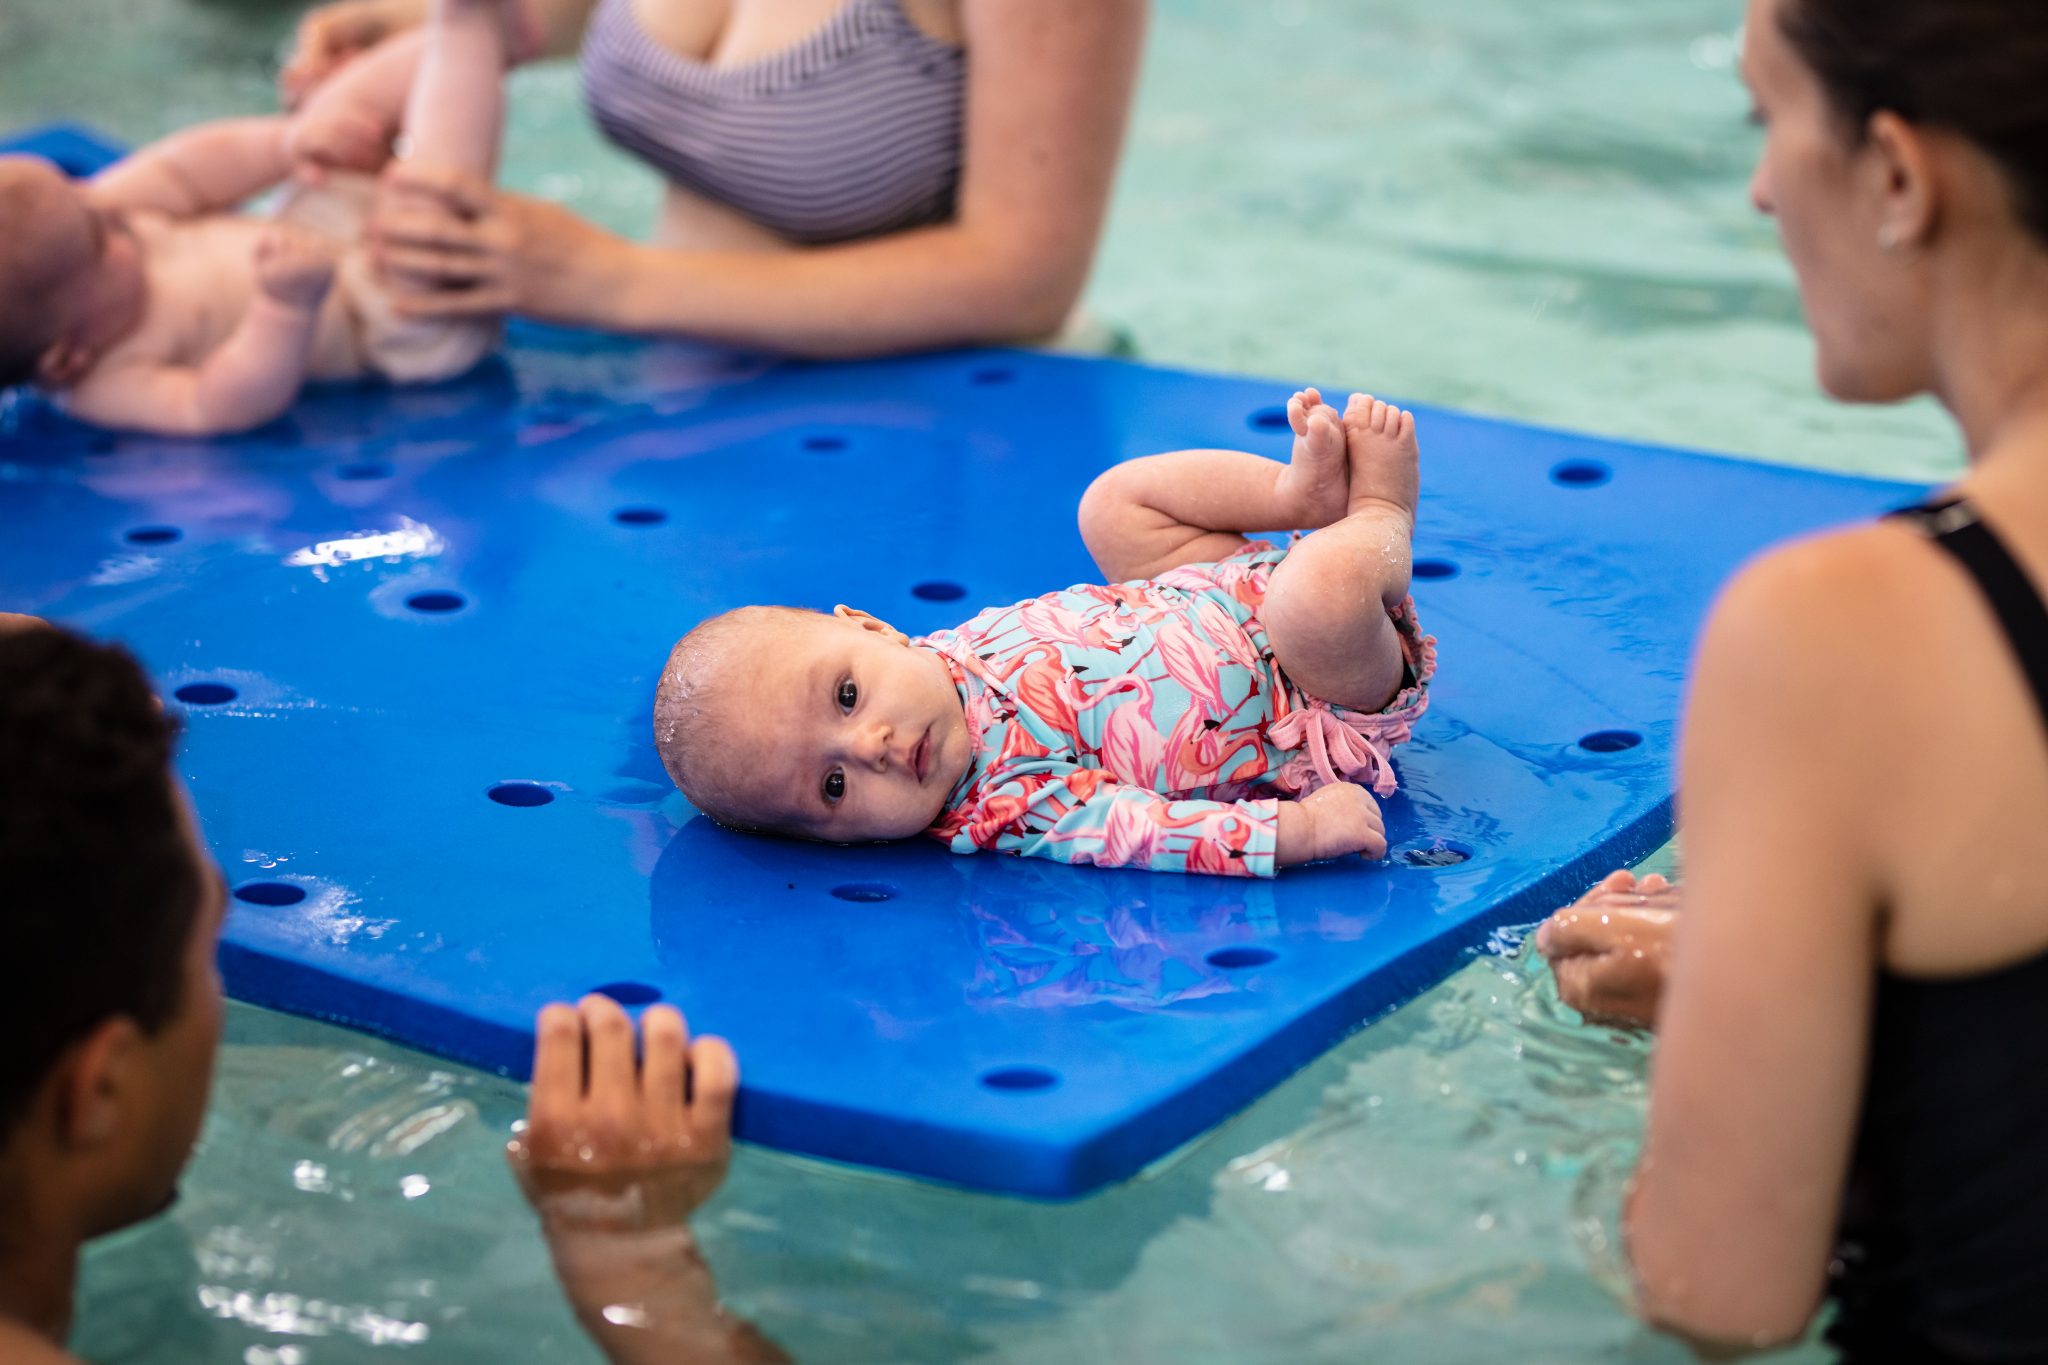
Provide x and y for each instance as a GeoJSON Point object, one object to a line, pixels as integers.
{"type": "Point", "coordinates": [1833, 588]}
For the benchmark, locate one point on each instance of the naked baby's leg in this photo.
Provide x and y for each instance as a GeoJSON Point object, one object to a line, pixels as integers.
{"type": "Point", "coordinates": [1189, 506]}
{"type": "Point", "coordinates": [1326, 611]}
{"type": "Point", "coordinates": [456, 114]}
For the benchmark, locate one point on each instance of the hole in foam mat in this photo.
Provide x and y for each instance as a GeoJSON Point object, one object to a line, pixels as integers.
{"type": "Point", "coordinates": [1016, 1078]}
{"type": "Point", "coordinates": [1268, 419]}
{"type": "Point", "coordinates": [1435, 568]}
{"type": "Point", "coordinates": [365, 469]}
{"type": "Point", "coordinates": [269, 893]}
{"type": "Point", "coordinates": [154, 535]}
{"type": "Point", "coordinates": [938, 590]}
{"type": "Point", "coordinates": [437, 602]}
{"type": "Point", "coordinates": [1581, 474]}
{"type": "Point", "coordinates": [993, 374]}
{"type": "Point", "coordinates": [639, 516]}
{"type": "Point", "coordinates": [205, 693]}
{"type": "Point", "coordinates": [1441, 853]}
{"type": "Point", "coordinates": [1240, 956]}
{"type": "Point", "coordinates": [522, 794]}
{"type": "Point", "coordinates": [1610, 741]}
{"type": "Point", "coordinates": [865, 891]}
{"type": "Point", "coordinates": [629, 993]}
{"type": "Point", "coordinates": [825, 445]}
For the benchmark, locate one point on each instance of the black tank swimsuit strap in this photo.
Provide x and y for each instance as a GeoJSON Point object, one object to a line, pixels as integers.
{"type": "Point", "coordinates": [1953, 524]}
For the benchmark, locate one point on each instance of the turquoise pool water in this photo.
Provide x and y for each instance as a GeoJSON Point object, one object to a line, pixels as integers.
{"type": "Point", "coordinates": [1536, 211]}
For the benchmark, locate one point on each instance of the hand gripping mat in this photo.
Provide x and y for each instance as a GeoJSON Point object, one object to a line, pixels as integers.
{"type": "Point", "coordinates": [413, 636]}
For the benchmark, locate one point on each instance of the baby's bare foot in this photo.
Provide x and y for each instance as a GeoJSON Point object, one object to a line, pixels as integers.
{"type": "Point", "coordinates": [1384, 458]}
{"type": "Point", "coordinates": [1317, 477]}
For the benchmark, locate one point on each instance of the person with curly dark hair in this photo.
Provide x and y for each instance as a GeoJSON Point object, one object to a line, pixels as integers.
{"type": "Point", "coordinates": [110, 1005]}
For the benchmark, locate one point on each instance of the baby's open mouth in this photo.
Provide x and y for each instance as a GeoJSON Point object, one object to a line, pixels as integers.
{"type": "Point", "coordinates": [920, 757]}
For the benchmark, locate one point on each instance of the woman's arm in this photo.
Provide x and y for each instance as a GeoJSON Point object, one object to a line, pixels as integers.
{"type": "Point", "coordinates": [1049, 90]}
{"type": "Point", "coordinates": [616, 1153]}
{"type": "Point", "coordinates": [1764, 1024]}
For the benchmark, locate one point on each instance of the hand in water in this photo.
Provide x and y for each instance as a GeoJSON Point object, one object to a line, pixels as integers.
{"type": "Point", "coordinates": [1611, 949]}
{"type": "Point", "coordinates": [617, 1143]}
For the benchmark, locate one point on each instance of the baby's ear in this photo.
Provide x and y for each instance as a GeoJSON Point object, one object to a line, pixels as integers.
{"type": "Point", "coordinates": [62, 364]}
{"type": "Point", "coordinates": [856, 617]}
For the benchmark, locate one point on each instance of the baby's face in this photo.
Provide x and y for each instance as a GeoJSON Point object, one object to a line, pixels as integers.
{"type": "Point", "coordinates": [66, 242]}
{"type": "Point", "coordinates": [852, 734]}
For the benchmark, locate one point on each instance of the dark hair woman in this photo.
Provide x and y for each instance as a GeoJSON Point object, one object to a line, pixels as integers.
{"type": "Point", "coordinates": [1851, 1085]}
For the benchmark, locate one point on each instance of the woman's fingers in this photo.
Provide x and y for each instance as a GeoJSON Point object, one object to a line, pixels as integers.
{"type": "Point", "coordinates": [1571, 932]}
{"type": "Point", "coordinates": [714, 1080]}
{"type": "Point", "coordinates": [425, 227]}
{"type": "Point", "coordinates": [432, 267]}
{"type": "Point", "coordinates": [490, 301]}
{"type": "Point", "coordinates": [463, 193]}
{"type": "Point", "coordinates": [612, 1083]}
{"type": "Point", "coordinates": [664, 1063]}
{"type": "Point", "coordinates": [557, 1068]}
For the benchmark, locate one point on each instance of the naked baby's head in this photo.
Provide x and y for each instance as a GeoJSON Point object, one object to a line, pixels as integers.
{"type": "Point", "coordinates": [70, 275]}
{"type": "Point", "coordinates": [831, 727]}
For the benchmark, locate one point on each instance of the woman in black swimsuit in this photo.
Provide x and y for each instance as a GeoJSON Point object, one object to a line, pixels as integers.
{"type": "Point", "coordinates": [1851, 1083]}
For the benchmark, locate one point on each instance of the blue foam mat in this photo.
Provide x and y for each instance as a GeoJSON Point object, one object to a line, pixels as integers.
{"type": "Point", "coordinates": [1003, 1024]}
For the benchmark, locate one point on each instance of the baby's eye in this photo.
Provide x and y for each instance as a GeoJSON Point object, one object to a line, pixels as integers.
{"type": "Point", "coordinates": [835, 786]}
{"type": "Point", "coordinates": [849, 693]}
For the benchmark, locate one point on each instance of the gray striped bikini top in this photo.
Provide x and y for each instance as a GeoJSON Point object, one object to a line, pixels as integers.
{"type": "Point", "coordinates": [853, 132]}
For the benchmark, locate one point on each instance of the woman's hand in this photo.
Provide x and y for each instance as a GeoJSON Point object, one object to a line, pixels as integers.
{"type": "Point", "coordinates": [612, 1144]}
{"type": "Point", "coordinates": [333, 33]}
{"type": "Point", "coordinates": [1611, 950]}
{"type": "Point", "coordinates": [452, 246]}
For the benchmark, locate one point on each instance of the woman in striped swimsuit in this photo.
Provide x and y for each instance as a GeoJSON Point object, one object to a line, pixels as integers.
{"type": "Point", "coordinates": [845, 177]}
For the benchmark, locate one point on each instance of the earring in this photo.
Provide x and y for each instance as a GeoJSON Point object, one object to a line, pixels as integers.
{"type": "Point", "coordinates": [1888, 237]}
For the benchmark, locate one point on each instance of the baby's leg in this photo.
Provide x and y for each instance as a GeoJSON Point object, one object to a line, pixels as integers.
{"type": "Point", "coordinates": [456, 114]}
{"type": "Point", "coordinates": [1326, 610]}
{"type": "Point", "coordinates": [1187, 507]}
{"type": "Point", "coordinates": [349, 121]}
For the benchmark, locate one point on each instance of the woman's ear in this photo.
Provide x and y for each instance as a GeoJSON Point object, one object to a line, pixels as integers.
{"type": "Point", "coordinates": [856, 617]}
{"type": "Point", "coordinates": [1903, 160]}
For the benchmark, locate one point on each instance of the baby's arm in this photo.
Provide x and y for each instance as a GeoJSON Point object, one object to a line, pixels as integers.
{"type": "Point", "coordinates": [1084, 816]}
{"type": "Point", "coordinates": [205, 169]}
{"type": "Point", "coordinates": [1186, 507]}
{"type": "Point", "coordinates": [249, 378]}
{"type": "Point", "coordinates": [1331, 822]}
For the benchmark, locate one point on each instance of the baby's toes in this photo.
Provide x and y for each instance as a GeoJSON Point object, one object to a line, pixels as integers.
{"type": "Point", "coordinates": [1297, 413]}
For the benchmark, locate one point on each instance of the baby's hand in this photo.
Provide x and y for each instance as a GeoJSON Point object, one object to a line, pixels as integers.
{"type": "Point", "coordinates": [295, 266]}
{"type": "Point", "coordinates": [1341, 819]}
{"type": "Point", "coordinates": [334, 135]}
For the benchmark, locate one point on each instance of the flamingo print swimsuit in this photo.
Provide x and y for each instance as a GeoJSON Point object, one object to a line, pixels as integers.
{"type": "Point", "coordinates": [1147, 725]}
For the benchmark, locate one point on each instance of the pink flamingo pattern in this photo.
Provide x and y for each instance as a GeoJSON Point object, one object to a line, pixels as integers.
{"type": "Point", "coordinates": [1147, 725]}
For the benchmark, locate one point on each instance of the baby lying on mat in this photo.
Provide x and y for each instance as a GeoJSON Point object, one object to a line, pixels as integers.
{"type": "Point", "coordinates": [140, 299]}
{"type": "Point", "coordinates": [1209, 711]}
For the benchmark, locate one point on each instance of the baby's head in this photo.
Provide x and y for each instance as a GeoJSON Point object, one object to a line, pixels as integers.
{"type": "Point", "coordinates": [834, 727]}
{"type": "Point", "coordinates": [70, 276]}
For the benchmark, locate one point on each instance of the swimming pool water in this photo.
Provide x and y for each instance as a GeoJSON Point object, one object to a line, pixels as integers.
{"type": "Point", "coordinates": [1530, 210]}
